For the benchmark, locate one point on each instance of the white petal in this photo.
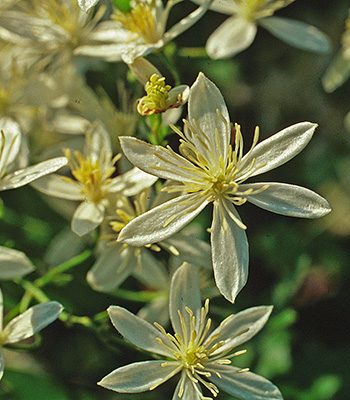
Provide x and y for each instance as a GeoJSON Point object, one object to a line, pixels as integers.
{"type": "Point", "coordinates": [87, 217]}
{"type": "Point", "coordinates": [151, 271]}
{"type": "Point", "coordinates": [112, 267]}
{"type": "Point", "coordinates": [223, 6]}
{"type": "Point", "coordinates": [184, 293]}
{"type": "Point", "coordinates": [204, 101]}
{"type": "Point", "coordinates": [162, 221]}
{"type": "Point", "coordinates": [245, 385]}
{"type": "Point", "coordinates": [142, 69]}
{"type": "Point", "coordinates": [297, 34]}
{"type": "Point", "coordinates": [29, 174]}
{"type": "Point", "coordinates": [1, 310]}
{"type": "Point", "coordinates": [337, 73]}
{"type": "Point", "coordinates": [137, 377]}
{"type": "Point", "coordinates": [186, 22]}
{"type": "Point", "coordinates": [229, 246]}
{"type": "Point", "coordinates": [241, 327]}
{"type": "Point", "coordinates": [189, 391]}
{"type": "Point", "coordinates": [132, 182]}
{"type": "Point", "coordinates": [291, 200]}
{"type": "Point", "coordinates": [279, 148]}
{"type": "Point", "coordinates": [156, 160]}
{"type": "Point", "coordinates": [85, 5]}
{"type": "Point", "coordinates": [9, 149]}
{"type": "Point", "coordinates": [156, 310]}
{"type": "Point", "coordinates": [14, 264]}
{"type": "Point", "coordinates": [2, 363]}
{"type": "Point", "coordinates": [54, 185]}
{"type": "Point", "coordinates": [231, 37]}
{"type": "Point", "coordinates": [31, 321]}
{"type": "Point", "coordinates": [139, 332]}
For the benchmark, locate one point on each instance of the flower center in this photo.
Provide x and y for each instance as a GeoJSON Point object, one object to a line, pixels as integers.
{"type": "Point", "coordinates": [93, 175]}
{"type": "Point", "coordinates": [140, 21]}
{"type": "Point", "coordinates": [157, 99]}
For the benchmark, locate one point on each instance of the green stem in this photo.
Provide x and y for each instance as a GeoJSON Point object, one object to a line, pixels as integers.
{"type": "Point", "coordinates": [192, 52]}
{"type": "Point", "coordinates": [168, 62]}
{"type": "Point", "coordinates": [141, 297]}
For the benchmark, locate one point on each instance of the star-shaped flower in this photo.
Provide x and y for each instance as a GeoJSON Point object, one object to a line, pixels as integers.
{"type": "Point", "coordinates": [210, 170]}
{"type": "Point", "coordinates": [239, 30]}
{"type": "Point", "coordinates": [201, 355]}
{"type": "Point", "coordinates": [26, 324]}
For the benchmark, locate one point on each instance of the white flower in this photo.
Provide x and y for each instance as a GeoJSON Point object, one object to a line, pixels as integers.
{"type": "Point", "coordinates": [339, 70]}
{"type": "Point", "coordinates": [93, 183]}
{"type": "Point", "coordinates": [10, 145]}
{"type": "Point", "coordinates": [209, 170]}
{"type": "Point", "coordinates": [201, 356]}
{"type": "Point", "coordinates": [239, 30]}
{"type": "Point", "coordinates": [26, 324]}
{"type": "Point", "coordinates": [14, 264]}
{"type": "Point", "coordinates": [143, 29]}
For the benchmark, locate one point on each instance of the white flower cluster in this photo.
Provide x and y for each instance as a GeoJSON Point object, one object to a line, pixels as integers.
{"type": "Point", "coordinates": [130, 200]}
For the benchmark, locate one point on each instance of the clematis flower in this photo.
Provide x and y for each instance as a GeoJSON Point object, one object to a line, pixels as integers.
{"type": "Point", "coordinates": [200, 355]}
{"type": "Point", "coordinates": [142, 30]}
{"type": "Point", "coordinates": [26, 324]}
{"type": "Point", "coordinates": [93, 183]}
{"type": "Point", "coordinates": [117, 261]}
{"type": "Point", "coordinates": [239, 30]}
{"type": "Point", "coordinates": [10, 146]}
{"type": "Point", "coordinates": [339, 70]}
{"type": "Point", "coordinates": [210, 170]}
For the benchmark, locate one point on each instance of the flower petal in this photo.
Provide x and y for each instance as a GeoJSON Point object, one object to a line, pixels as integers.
{"type": "Point", "coordinates": [138, 377]}
{"type": "Point", "coordinates": [54, 185]}
{"type": "Point", "coordinates": [132, 182]}
{"type": "Point", "coordinates": [291, 200]}
{"type": "Point", "coordinates": [279, 148]}
{"type": "Point", "coordinates": [157, 310]}
{"type": "Point", "coordinates": [112, 267]}
{"type": "Point", "coordinates": [238, 329]}
{"type": "Point", "coordinates": [162, 221]}
{"type": "Point", "coordinates": [157, 160]}
{"type": "Point", "coordinates": [297, 34]}
{"type": "Point", "coordinates": [337, 73]}
{"type": "Point", "coordinates": [139, 332]}
{"type": "Point", "coordinates": [229, 246]}
{"type": "Point", "coordinates": [9, 144]}
{"type": "Point", "coordinates": [31, 321]}
{"type": "Point", "coordinates": [29, 174]}
{"type": "Point", "coordinates": [244, 385]}
{"type": "Point", "coordinates": [2, 363]}
{"type": "Point", "coordinates": [184, 293]}
{"type": "Point", "coordinates": [14, 264]}
{"type": "Point", "coordinates": [204, 101]}
{"type": "Point", "coordinates": [87, 217]}
{"type": "Point", "coordinates": [231, 37]}
{"type": "Point", "coordinates": [85, 5]}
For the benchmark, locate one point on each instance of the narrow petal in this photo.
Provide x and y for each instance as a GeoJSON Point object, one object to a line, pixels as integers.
{"type": "Point", "coordinates": [157, 160]}
{"type": "Point", "coordinates": [162, 221]}
{"type": "Point", "coordinates": [291, 200]}
{"type": "Point", "coordinates": [297, 34]}
{"type": "Point", "coordinates": [1, 310]}
{"type": "Point", "coordinates": [139, 332]}
{"type": "Point", "coordinates": [9, 143]}
{"type": "Point", "coordinates": [204, 101]}
{"type": "Point", "coordinates": [87, 217]}
{"type": "Point", "coordinates": [187, 22]}
{"type": "Point", "coordinates": [245, 385]}
{"type": "Point", "coordinates": [238, 329]}
{"type": "Point", "coordinates": [184, 293]}
{"type": "Point", "coordinates": [229, 246]}
{"type": "Point", "coordinates": [187, 388]}
{"type": "Point", "coordinates": [138, 377]}
{"type": "Point", "coordinates": [132, 182]}
{"type": "Point", "coordinates": [29, 174]}
{"type": "Point", "coordinates": [31, 321]}
{"type": "Point", "coordinates": [279, 148]}
{"type": "Point", "coordinates": [2, 363]}
{"type": "Point", "coordinates": [14, 264]}
{"type": "Point", "coordinates": [112, 267]}
{"type": "Point", "coordinates": [337, 73]}
{"type": "Point", "coordinates": [54, 185]}
{"type": "Point", "coordinates": [85, 5]}
{"type": "Point", "coordinates": [231, 37]}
